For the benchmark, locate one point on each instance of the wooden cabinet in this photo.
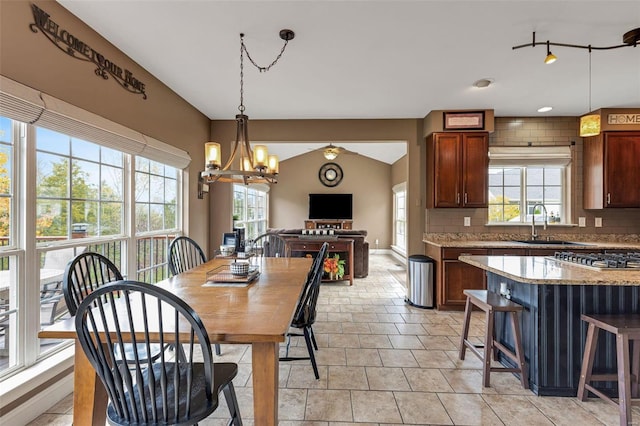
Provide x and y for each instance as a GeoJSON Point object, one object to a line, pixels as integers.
{"type": "Point", "coordinates": [610, 170]}
{"type": "Point", "coordinates": [328, 224]}
{"type": "Point", "coordinates": [453, 276]}
{"type": "Point", "coordinates": [457, 168]}
{"type": "Point", "coordinates": [299, 247]}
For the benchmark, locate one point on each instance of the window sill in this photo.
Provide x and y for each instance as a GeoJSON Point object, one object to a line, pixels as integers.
{"type": "Point", "coordinates": [555, 225]}
{"type": "Point", "coordinates": [23, 382]}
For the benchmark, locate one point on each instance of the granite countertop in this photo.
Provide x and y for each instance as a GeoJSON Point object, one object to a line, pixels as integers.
{"type": "Point", "coordinates": [542, 270]}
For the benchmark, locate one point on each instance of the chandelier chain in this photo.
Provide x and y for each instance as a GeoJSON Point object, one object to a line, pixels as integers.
{"type": "Point", "coordinates": [241, 106]}
{"type": "Point", "coordinates": [243, 51]}
{"type": "Point", "coordinates": [268, 67]}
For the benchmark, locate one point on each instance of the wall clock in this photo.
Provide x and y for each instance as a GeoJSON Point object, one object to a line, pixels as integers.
{"type": "Point", "coordinates": [330, 174]}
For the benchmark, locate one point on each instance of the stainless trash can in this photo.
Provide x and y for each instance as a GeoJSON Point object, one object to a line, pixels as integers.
{"type": "Point", "coordinates": [420, 291]}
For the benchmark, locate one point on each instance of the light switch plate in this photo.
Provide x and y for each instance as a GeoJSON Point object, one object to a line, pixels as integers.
{"type": "Point", "coordinates": [467, 221]}
{"type": "Point", "coordinates": [582, 222]}
{"type": "Point", "coordinates": [598, 223]}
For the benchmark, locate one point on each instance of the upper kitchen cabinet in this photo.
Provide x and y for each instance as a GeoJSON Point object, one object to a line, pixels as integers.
{"type": "Point", "coordinates": [612, 170]}
{"type": "Point", "coordinates": [457, 169]}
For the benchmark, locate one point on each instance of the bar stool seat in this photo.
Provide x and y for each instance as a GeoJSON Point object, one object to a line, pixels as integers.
{"type": "Point", "coordinates": [626, 328]}
{"type": "Point", "coordinates": [491, 303]}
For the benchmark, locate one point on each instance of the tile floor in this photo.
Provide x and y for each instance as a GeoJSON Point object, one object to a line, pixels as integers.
{"type": "Point", "coordinates": [383, 362]}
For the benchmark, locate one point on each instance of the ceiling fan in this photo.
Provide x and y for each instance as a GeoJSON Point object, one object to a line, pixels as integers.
{"type": "Point", "coordinates": [332, 151]}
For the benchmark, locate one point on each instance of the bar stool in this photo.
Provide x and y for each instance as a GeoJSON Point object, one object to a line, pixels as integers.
{"type": "Point", "coordinates": [491, 303]}
{"type": "Point", "coordinates": [627, 330]}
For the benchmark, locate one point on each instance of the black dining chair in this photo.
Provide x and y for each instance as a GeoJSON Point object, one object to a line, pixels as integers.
{"type": "Point", "coordinates": [185, 254]}
{"type": "Point", "coordinates": [269, 245]}
{"type": "Point", "coordinates": [88, 272]}
{"type": "Point", "coordinates": [169, 390]}
{"type": "Point", "coordinates": [84, 274]}
{"type": "Point", "coordinates": [305, 314]}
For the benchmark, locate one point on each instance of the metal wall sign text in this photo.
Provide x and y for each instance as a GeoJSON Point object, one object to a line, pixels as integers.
{"type": "Point", "coordinates": [78, 49]}
{"type": "Point", "coordinates": [623, 119]}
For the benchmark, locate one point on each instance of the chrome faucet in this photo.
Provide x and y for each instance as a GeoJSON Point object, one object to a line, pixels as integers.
{"type": "Point", "coordinates": [534, 236]}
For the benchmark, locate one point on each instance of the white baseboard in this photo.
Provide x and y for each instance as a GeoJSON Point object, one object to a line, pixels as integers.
{"type": "Point", "coordinates": [397, 256]}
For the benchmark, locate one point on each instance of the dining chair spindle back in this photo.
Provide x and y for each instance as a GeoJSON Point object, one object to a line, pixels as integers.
{"type": "Point", "coordinates": [305, 314]}
{"type": "Point", "coordinates": [170, 389]}
{"type": "Point", "coordinates": [185, 254]}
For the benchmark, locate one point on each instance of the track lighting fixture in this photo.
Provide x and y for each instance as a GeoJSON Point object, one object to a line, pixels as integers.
{"type": "Point", "coordinates": [629, 39]}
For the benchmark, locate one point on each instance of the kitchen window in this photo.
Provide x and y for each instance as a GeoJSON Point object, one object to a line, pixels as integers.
{"type": "Point", "coordinates": [522, 177]}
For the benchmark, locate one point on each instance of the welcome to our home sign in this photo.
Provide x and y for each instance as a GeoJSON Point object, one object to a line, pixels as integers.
{"type": "Point", "coordinates": [78, 49]}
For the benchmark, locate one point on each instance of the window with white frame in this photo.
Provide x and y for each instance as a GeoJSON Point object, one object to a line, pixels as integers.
{"type": "Point", "coordinates": [250, 209]}
{"type": "Point", "coordinates": [156, 217]}
{"type": "Point", "coordinates": [64, 190]}
{"type": "Point", "coordinates": [79, 188]}
{"type": "Point", "coordinates": [523, 179]}
{"type": "Point", "coordinates": [9, 251]}
{"type": "Point", "coordinates": [400, 216]}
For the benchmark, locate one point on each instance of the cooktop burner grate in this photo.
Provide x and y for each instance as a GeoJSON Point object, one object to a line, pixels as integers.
{"type": "Point", "coordinates": [601, 261]}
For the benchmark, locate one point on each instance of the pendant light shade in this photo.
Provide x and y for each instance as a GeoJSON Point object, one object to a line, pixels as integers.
{"type": "Point", "coordinates": [589, 125]}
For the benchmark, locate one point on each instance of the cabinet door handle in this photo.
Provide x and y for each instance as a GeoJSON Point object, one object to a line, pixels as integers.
{"type": "Point", "coordinates": [465, 198]}
{"type": "Point", "coordinates": [458, 198]}
{"type": "Point", "coordinates": [608, 198]}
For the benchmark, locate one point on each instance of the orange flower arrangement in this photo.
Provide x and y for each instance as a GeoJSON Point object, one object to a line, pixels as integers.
{"type": "Point", "coordinates": [334, 266]}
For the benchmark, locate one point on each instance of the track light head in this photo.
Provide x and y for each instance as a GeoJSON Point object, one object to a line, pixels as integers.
{"type": "Point", "coordinates": [551, 58]}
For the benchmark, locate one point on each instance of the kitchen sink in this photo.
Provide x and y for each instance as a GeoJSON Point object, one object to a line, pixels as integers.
{"type": "Point", "coordinates": [551, 242]}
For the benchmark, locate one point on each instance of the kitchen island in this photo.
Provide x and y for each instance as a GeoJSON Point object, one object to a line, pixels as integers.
{"type": "Point", "coordinates": [554, 295]}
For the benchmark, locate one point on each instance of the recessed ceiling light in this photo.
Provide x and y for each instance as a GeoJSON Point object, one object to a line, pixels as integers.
{"type": "Point", "coordinates": [482, 83]}
{"type": "Point", "coordinates": [545, 109]}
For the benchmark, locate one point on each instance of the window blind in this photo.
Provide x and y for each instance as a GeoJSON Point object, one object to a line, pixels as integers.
{"type": "Point", "coordinates": [519, 156]}
{"type": "Point", "coordinates": [25, 104]}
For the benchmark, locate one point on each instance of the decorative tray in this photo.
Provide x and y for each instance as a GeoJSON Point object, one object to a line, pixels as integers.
{"type": "Point", "coordinates": [222, 274]}
{"type": "Point", "coordinates": [233, 256]}
{"type": "Point", "coordinates": [319, 237]}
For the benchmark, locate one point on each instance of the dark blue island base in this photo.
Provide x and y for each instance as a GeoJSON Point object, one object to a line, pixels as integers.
{"type": "Point", "coordinates": [554, 336]}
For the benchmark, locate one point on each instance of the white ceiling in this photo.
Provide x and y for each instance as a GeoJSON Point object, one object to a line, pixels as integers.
{"type": "Point", "coordinates": [378, 59]}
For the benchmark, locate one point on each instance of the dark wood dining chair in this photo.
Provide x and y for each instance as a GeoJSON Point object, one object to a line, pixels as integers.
{"type": "Point", "coordinates": [305, 314]}
{"type": "Point", "coordinates": [168, 390]}
{"type": "Point", "coordinates": [185, 254]}
{"type": "Point", "coordinates": [269, 245]}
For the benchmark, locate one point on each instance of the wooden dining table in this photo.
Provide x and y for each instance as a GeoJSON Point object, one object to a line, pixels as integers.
{"type": "Point", "coordinates": [258, 314]}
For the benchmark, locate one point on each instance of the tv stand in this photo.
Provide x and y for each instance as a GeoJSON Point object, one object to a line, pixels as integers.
{"type": "Point", "coordinates": [328, 224]}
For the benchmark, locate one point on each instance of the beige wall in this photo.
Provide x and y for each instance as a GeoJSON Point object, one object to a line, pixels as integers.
{"type": "Point", "coordinates": [399, 171]}
{"type": "Point", "coordinates": [293, 131]}
{"type": "Point", "coordinates": [547, 130]}
{"type": "Point", "coordinates": [31, 59]}
{"type": "Point", "coordinates": [368, 180]}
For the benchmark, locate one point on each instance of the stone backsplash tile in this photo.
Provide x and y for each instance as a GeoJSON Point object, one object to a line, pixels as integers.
{"type": "Point", "coordinates": [468, 236]}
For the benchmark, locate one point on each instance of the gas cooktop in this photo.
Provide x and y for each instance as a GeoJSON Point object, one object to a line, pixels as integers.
{"type": "Point", "coordinates": [601, 261]}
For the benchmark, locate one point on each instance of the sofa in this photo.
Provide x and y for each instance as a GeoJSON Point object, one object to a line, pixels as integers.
{"type": "Point", "coordinates": [360, 246]}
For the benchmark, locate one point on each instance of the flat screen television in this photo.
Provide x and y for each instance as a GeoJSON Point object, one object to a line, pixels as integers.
{"type": "Point", "coordinates": [330, 206]}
